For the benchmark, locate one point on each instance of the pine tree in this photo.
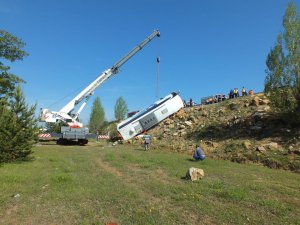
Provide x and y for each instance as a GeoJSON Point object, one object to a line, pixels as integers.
{"type": "Point", "coordinates": [7, 128]}
{"type": "Point", "coordinates": [120, 109]}
{"type": "Point", "coordinates": [97, 117]}
{"type": "Point", "coordinates": [282, 82]}
{"type": "Point", "coordinates": [18, 128]}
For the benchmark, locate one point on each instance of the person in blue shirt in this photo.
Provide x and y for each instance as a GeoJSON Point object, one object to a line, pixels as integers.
{"type": "Point", "coordinates": [198, 153]}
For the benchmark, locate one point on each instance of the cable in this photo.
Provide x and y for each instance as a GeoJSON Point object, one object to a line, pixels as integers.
{"type": "Point", "coordinates": [157, 77]}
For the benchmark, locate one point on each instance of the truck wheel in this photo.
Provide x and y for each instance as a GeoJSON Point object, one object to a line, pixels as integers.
{"type": "Point", "coordinates": [83, 141]}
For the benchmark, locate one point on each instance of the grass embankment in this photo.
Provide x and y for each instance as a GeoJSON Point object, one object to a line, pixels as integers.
{"type": "Point", "coordinates": [125, 185]}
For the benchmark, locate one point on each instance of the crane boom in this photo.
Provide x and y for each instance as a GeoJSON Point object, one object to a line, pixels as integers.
{"type": "Point", "coordinates": [64, 113]}
{"type": "Point", "coordinates": [134, 51]}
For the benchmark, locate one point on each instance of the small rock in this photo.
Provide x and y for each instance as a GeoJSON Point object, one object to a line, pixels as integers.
{"type": "Point", "coordinates": [166, 130]}
{"type": "Point", "coordinates": [234, 106]}
{"type": "Point", "coordinates": [171, 126]}
{"type": "Point", "coordinates": [189, 123]}
{"type": "Point", "coordinates": [258, 115]}
{"type": "Point", "coordinates": [194, 174]}
{"type": "Point", "coordinates": [255, 128]}
{"type": "Point", "coordinates": [16, 195]}
{"type": "Point", "coordinates": [272, 145]}
{"type": "Point", "coordinates": [168, 121]}
{"type": "Point", "coordinates": [204, 114]}
{"type": "Point", "coordinates": [260, 149]}
{"type": "Point", "coordinates": [255, 101]}
{"type": "Point", "coordinates": [264, 101]}
{"type": "Point", "coordinates": [181, 127]}
{"type": "Point", "coordinates": [45, 186]}
{"type": "Point", "coordinates": [182, 134]}
{"type": "Point", "coordinates": [247, 145]}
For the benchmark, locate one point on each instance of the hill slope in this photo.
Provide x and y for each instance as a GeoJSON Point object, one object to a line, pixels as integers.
{"type": "Point", "coordinates": [242, 130]}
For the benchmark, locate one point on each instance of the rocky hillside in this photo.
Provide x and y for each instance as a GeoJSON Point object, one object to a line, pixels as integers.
{"type": "Point", "coordinates": [243, 130]}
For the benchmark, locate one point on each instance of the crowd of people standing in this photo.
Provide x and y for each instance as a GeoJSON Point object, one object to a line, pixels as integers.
{"type": "Point", "coordinates": [233, 93]}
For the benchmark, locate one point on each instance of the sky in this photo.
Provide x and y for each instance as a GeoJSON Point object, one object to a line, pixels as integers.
{"type": "Point", "coordinates": [205, 48]}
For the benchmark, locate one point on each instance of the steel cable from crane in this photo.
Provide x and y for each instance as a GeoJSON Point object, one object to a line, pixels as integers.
{"type": "Point", "coordinates": [157, 69]}
{"type": "Point", "coordinates": [157, 77]}
{"type": "Point", "coordinates": [67, 96]}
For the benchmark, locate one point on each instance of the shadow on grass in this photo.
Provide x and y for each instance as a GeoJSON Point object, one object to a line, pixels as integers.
{"type": "Point", "coordinates": [191, 160]}
{"type": "Point", "coordinates": [45, 143]}
{"type": "Point", "coordinates": [140, 149]}
{"type": "Point", "coordinates": [19, 161]}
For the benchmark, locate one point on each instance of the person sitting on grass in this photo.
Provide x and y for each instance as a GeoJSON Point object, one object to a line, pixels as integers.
{"type": "Point", "coordinates": [198, 153]}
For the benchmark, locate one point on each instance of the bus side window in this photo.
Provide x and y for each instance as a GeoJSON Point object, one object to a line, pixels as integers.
{"type": "Point", "coordinates": [164, 111]}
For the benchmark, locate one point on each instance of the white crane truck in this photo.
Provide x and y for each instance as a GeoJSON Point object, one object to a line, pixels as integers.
{"type": "Point", "coordinates": [75, 131]}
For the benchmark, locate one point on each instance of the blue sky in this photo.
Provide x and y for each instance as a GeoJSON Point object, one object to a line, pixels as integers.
{"type": "Point", "coordinates": [206, 47]}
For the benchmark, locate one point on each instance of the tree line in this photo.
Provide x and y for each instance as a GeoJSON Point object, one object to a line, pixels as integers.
{"type": "Point", "coordinates": [18, 125]}
{"type": "Point", "coordinates": [97, 122]}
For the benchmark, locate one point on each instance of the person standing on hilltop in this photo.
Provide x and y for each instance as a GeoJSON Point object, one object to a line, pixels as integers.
{"type": "Point", "coordinates": [231, 94]}
{"type": "Point", "coordinates": [244, 92]}
{"type": "Point", "coordinates": [236, 93]}
{"type": "Point", "coordinates": [191, 102]}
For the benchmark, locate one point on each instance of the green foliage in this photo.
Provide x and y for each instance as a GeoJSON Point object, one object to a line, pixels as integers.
{"type": "Point", "coordinates": [97, 117]}
{"type": "Point", "coordinates": [233, 147]}
{"type": "Point", "coordinates": [113, 132]}
{"type": "Point", "coordinates": [10, 50]}
{"type": "Point", "coordinates": [120, 109]}
{"type": "Point", "coordinates": [54, 127]}
{"type": "Point", "coordinates": [282, 83]}
{"type": "Point", "coordinates": [18, 128]}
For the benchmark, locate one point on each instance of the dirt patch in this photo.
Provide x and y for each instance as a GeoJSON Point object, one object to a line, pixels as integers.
{"type": "Point", "coordinates": [11, 210]}
{"type": "Point", "coordinates": [108, 168]}
{"type": "Point", "coordinates": [157, 174]}
{"type": "Point", "coordinates": [9, 214]}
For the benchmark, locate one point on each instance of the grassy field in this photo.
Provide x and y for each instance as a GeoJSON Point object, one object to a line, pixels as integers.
{"type": "Point", "coordinates": [102, 184]}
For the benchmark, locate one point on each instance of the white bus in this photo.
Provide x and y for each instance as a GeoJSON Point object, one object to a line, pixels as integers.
{"type": "Point", "coordinates": [151, 116]}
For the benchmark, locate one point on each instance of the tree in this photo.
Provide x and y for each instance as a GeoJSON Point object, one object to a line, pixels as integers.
{"type": "Point", "coordinates": [97, 117]}
{"type": "Point", "coordinates": [10, 50]}
{"type": "Point", "coordinates": [120, 109]}
{"type": "Point", "coordinates": [282, 82]}
{"type": "Point", "coordinates": [18, 128]}
{"type": "Point", "coordinates": [55, 127]}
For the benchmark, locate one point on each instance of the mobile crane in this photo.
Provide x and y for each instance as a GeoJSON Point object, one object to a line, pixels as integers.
{"type": "Point", "coordinates": [75, 131]}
